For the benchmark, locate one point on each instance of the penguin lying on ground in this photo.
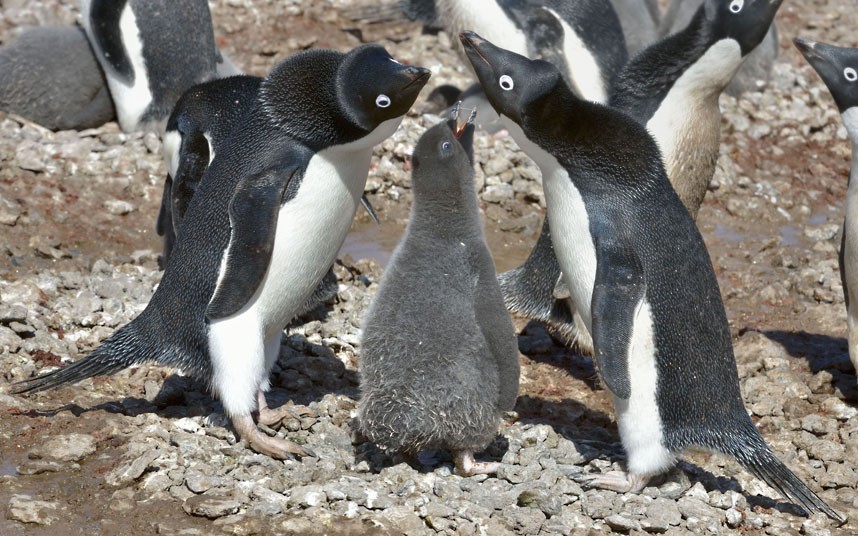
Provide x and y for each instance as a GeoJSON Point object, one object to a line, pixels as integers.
{"type": "Point", "coordinates": [755, 72]}
{"type": "Point", "coordinates": [838, 68]}
{"type": "Point", "coordinates": [151, 51]}
{"type": "Point", "coordinates": [263, 228]}
{"type": "Point", "coordinates": [200, 122]}
{"type": "Point", "coordinates": [50, 76]}
{"type": "Point", "coordinates": [439, 358]}
{"type": "Point", "coordinates": [639, 275]}
{"type": "Point", "coordinates": [672, 88]}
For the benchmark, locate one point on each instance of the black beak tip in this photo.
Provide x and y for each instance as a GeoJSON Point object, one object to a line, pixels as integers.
{"type": "Point", "coordinates": [470, 38]}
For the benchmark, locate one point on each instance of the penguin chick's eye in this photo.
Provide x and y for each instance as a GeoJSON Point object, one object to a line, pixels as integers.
{"type": "Point", "coordinates": [737, 5]}
{"type": "Point", "coordinates": [382, 101]}
{"type": "Point", "coordinates": [506, 82]}
{"type": "Point", "coordinates": [850, 74]}
{"type": "Point", "coordinates": [446, 147]}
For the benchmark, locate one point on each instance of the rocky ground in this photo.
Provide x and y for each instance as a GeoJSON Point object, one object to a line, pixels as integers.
{"type": "Point", "coordinates": [148, 451]}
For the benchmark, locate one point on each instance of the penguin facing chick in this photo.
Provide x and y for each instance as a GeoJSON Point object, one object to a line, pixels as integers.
{"type": "Point", "coordinates": [672, 88]}
{"type": "Point", "coordinates": [838, 68]}
{"type": "Point", "coordinates": [639, 275]}
{"type": "Point", "coordinates": [439, 358]}
{"type": "Point", "coordinates": [263, 228]}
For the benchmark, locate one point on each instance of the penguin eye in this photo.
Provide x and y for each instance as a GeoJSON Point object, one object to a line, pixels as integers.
{"type": "Point", "coordinates": [506, 82]}
{"type": "Point", "coordinates": [850, 74]}
{"type": "Point", "coordinates": [382, 101]}
{"type": "Point", "coordinates": [737, 5]}
{"type": "Point", "coordinates": [446, 147]}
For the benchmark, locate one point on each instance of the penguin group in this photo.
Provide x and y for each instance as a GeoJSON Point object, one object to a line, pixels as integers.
{"type": "Point", "coordinates": [266, 174]}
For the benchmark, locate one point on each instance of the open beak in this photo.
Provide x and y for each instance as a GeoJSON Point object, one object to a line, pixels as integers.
{"type": "Point", "coordinates": [456, 117]}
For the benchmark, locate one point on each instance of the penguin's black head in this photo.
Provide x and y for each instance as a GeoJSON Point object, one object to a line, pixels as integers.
{"type": "Point", "coordinates": [511, 81]}
{"type": "Point", "coordinates": [372, 87]}
{"type": "Point", "coordinates": [838, 68]}
{"type": "Point", "coordinates": [745, 21]}
{"type": "Point", "coordinates": [443, 156]}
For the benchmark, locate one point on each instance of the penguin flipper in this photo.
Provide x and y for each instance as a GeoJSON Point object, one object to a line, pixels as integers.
{"type": "Point", "coordinates": [619, 289]}
{"type": "Point", "coordinates": [194, 157]}
{"type": "Point", "coordinates": [104, 18]}
{"type": "Point", "coordinates": [253, 213]}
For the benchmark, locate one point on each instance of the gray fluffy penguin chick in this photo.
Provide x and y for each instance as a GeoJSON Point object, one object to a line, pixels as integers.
{"type": "Point", "coordinates": [151, 51]}
{"type": "Point", "coordinates": [754, 73]}
{"type": "Point", "coordinates": [50, 76]}
{"type": "Point", "coordinates": [439, 358]}
{"type": "Point", "coordinates": [838, 68]}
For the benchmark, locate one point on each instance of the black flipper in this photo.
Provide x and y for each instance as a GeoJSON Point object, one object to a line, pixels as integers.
{"type": "Point", "coordinates": [369, 210]}
{"type": "Point", "coordinates": [618, 290]}
{"type": "Point", "coordinates": [194, 159]}
{"type": "Point", "coordinates": [164, 224]}
{"type": "Point", "coordinates": [253, 213]}
{"type": "Point", "coordinates": [104, 18]}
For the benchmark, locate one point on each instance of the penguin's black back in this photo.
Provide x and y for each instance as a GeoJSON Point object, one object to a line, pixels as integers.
{"type": "Point", "coordinates": [616, 166]}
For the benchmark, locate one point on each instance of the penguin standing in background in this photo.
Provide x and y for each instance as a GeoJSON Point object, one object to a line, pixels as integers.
{"type": "Point", "coordinates": [151, 51]}
{"type": "Point", "coordinates": [439, 358]}
{"type": "Point", "coordinates": [639, 275]}
{"type": "Point", "coordinates": [756, 70]}
{"type": "Point", "coordinates": [50, 76]}
{"type": "Point", "coordinates": [673, 89]}
{"type": "Point", "coordinates": [838, 68]}
{"type": "Point", "coordinates": [262, 229]}
{"type": "Point", "coordinates": [640, 20]}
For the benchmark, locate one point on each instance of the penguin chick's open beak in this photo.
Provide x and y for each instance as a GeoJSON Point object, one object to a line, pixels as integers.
{"type": "Point", "coordinates": [456, 117]}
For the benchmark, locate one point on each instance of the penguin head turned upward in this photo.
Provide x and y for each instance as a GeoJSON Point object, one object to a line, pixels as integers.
{"type": "Point", "coordinates": [511, 81]}
{"type": "Point", "coordinates": [745, 21]}
{"type": "Point", "coordinates": [324, 98]}
{"type": "Point", "coordinates": [443, 159]}
{"type": "Point", "coordinates": [838, 68]}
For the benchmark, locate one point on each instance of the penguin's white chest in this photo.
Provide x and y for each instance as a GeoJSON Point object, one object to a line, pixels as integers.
{"type": "Point", "coordinates": [484, 17]}
{"type": "Point", "coordinates": [581, 64]}
{"type": "Point", "coordinates": [311, 227]}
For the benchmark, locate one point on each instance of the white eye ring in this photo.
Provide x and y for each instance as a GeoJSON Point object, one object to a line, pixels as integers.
{"type": "Point", "coordinates": [737, 5]}
{"type": "Point", "coordinates": [382, 101]}
{"type": "Point", "coordinates": [506, 82]}
{"type": "Point", "coordinates": [850, 74]}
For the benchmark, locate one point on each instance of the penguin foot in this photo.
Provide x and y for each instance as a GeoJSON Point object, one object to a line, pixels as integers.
{"type": "Point", "coordinates": [466, 465]}
{"type": "Point", "coordinates": [270, 417]}
{"type": "Point", "coordinates": [619, 481]}
{"type": "Point", "coordinates": [280, 449]}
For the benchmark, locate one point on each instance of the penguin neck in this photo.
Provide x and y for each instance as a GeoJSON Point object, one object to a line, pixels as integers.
{"type": "Point", "coordinates": [850, 121]}
{"type": "Point", "coordinates": [450, 213]}
{"type": "Point", "coordinates": [693, 62]}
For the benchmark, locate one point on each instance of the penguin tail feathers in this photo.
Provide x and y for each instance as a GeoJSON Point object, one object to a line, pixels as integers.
{"type": "Point", "coordinates": [119, 351]}
{"type": "Point", "coordinates": [758, 458]}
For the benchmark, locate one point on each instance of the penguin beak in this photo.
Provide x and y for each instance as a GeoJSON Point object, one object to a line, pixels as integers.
{"type": "Point", "coordinates": [472, 44]}
{"type": "Point", "coordinates": [807, 49]}
{"type": "Point", "coordinates": [417, 75]}
{"type": "Point", "coordinates": [829, 61]}
{"type": "Point", "coordinates": [458, 125]}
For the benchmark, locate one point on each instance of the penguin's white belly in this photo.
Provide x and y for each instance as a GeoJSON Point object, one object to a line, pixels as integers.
{"type": "Point", "coordinates": [850, 224]}
{"type": "Point", "coordinates": [310, 230]}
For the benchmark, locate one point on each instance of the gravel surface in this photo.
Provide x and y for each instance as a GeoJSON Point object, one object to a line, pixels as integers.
{"type": "Point", "coordinates": [149, 451]}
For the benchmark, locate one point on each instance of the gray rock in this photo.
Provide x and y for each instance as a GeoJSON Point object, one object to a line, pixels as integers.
{"type": "Point", "coordinates": [597, 505]}
{"type": "Point", "coordinates": [210, 506]}
{"type": "Point", "coordinates": [66, 448]}
{"type": "Point", "coordinates": [26, 509]}
{"type": "Point", "coordinates": [661, 515]}
{"type": "Point", "coordinates": [131, 469]}
{"type": "Point", "coordinates": [621, 523]}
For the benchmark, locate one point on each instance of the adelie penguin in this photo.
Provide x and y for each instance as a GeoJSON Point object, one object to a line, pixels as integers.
{"type": "Point", "coordinates": [263, 228]}
{"type": "Point", "coordinates": [152, 51]}
{"type": "Point", "coordinates": [198, 126]}
{"type": "Point", "coordinates": [439, 358]}
{"type": "Point", "coordinates": [672, 88]}
{"type": "Point", "coordinates": [639, 275]}
{"type": "Point", "coordinates": [838, 68]}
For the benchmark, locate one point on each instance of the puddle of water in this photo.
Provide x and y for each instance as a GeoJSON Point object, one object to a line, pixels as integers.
{"type": "Point", "coordinates": [727, 233]}
{"type": "Point", "coordinates": [789, 235]}
{"type": "Point", "coordinates": [7, 468]}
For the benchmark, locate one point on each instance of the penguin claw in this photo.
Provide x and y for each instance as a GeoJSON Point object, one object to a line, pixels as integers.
{"type": "Point", "coordinates": [281, 449]}
{"type": "Point", "coordinates": [619, 481]}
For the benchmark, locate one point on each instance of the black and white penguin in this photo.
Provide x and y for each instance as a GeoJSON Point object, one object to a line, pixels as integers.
{"type": "Point", "coordinates": [672, 88]}
{"type": "Point", "coordinates": [838, 68]}
{"type": "Point", "coordinates": [151, 51]}
{"type": "Point", "coordinates": [50, 76]}
{"type": "Point", "coordinates": [756, 69]}
{"type": "Point", "coordinates": [439, 357]}
{"type": "Point", "coordinates": [262, 229]}
{"type": "Point", "coordinates": [200, 122]}
{"type": "Point", "coordinates": [639, 275]}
